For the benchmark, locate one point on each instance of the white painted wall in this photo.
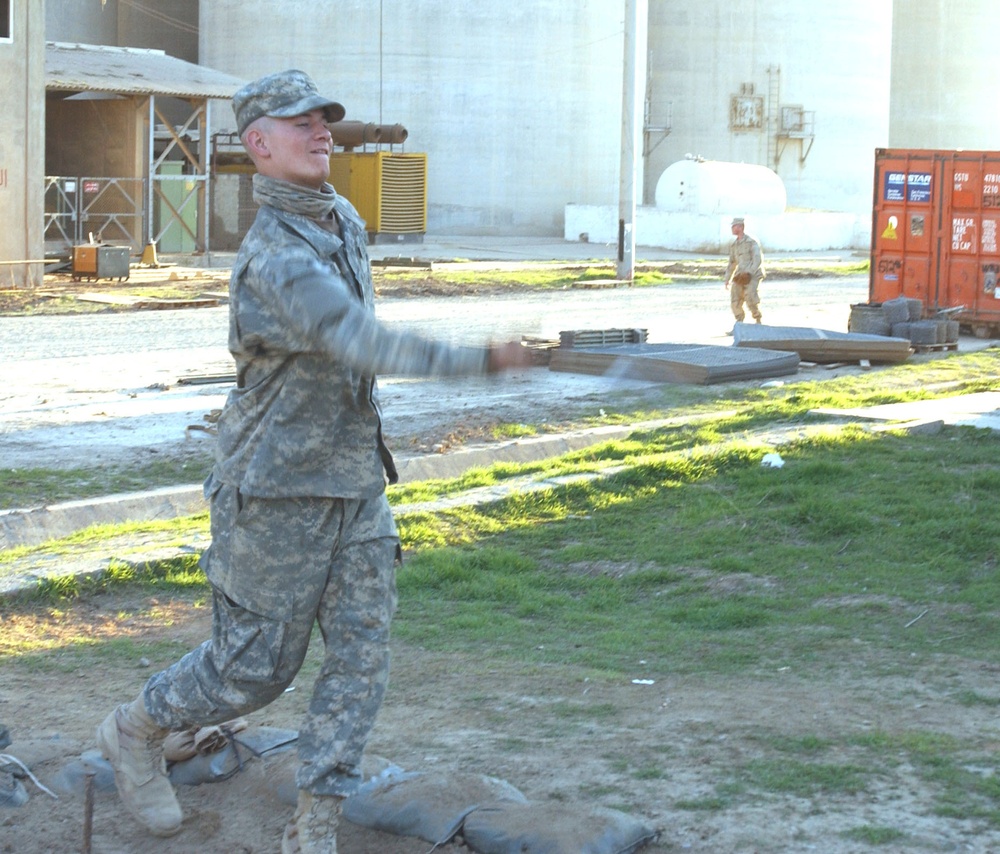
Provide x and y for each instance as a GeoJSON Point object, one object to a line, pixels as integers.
{"type": "Point", "coordinates": [167, 26]}
{"type": "Point", "coordinates": [944, 86]}
{"type": "Point", "coordinates": [830, 58]}
{"type": "Point", "coordinates": [711, 234]}
{"type": "Point", "coordinates": [22, 145]}
{"type": "Point", "coordinates": [517, 104]}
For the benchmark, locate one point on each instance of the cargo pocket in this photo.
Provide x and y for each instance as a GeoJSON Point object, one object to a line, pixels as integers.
{"type": "Point", "coordinates": [262, 560]}
{"type": "Point", "coordinates": [249, 644]}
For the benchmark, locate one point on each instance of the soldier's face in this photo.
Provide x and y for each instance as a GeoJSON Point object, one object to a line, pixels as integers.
{"type": "Point", "coordinates": [298, 149]}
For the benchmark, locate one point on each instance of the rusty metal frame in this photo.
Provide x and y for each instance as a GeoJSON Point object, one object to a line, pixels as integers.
{"type": "Point", "coordinates": [70, 209]}
{"type": "Point", "coordinates": [200, 175]}
{"type": "Point", "coordinates": [114, 219]}
{"type": "Point", "coordinates": [59, 210]}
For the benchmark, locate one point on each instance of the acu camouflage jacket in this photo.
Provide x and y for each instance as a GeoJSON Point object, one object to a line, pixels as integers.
{"type": "Point", "coordinates": [304, 418]}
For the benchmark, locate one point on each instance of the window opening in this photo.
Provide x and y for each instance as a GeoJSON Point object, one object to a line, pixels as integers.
{"type": "Point", "coordinates": [5, 28]}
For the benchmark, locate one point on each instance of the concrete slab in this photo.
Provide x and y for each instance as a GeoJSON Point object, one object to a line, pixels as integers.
{"type": "Point", "coordinates": [676, 363]}
{"type": "Point", "coordinates": [823, 345]}
{"type": "Point", "coordinates": [981, 409]}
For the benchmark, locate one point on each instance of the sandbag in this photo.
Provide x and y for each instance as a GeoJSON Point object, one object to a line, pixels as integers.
{"type": "Point", "coordinates": [246, 746]}
{"type": "Point", "coordinates": [417, 804]}
{"type": "Point", "coordinates": [491, 816]}
{"type": "Point", "coordinates": [544, 828]}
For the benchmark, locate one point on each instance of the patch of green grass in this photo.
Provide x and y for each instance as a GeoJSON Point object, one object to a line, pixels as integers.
{"type": "Point", "coordinates": [710, 803]}
{"type": "Point", "coordinates": [959, 773]}
{"type": "Point", "coordinates": [40, 486]}
{"type": "Point", "coordinates": [693, 553]}
{"type": "Point", "coordinates": [177, 573]}
{"type": "Point", "coordinates": [650, 772]}
{"type": "Point", "coordinates": [974, 698]}
{"type": "Point", "coordinates": [803, 779]}
{"type": "Point", "coordinates": [875, 835]}
{"type": "Point", "coordinates": [178, 530]}
{"type": "Point", "coordinates": [558, 275]}
{"type": "Point", "coordinates": [513, 431]}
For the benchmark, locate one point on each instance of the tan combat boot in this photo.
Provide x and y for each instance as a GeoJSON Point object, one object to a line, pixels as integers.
{"type": "Point", "coordinates": [133, 743]}
{"type": "Point", "coordinates": [313, 828]}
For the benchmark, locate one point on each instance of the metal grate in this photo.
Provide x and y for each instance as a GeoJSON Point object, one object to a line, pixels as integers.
{"type": "Point", "coordinates": [601, 337]}
{"type": "Point", "coordinates": [403, 208]}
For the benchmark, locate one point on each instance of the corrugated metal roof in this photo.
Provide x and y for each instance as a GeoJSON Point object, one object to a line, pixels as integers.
{"type": "Point", "coordinates": [131, 71]}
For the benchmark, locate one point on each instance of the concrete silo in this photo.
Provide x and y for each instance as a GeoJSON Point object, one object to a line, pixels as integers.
{"type": "Point", "coordinates": [517, 104]}
{"type": "Point", "coordinates": [800, 88]}
{"type": "Point", "coordinates": [943, 92]}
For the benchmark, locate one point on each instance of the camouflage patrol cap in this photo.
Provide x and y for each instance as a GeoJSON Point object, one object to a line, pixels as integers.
{"type": "Point", "coordinates": [281, 95]}
{"type": "Point", "coordinates": [737, 220]}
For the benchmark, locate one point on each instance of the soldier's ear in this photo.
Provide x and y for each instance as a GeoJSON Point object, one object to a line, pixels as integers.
{"type": "Point", "coordinates": [255, 142]}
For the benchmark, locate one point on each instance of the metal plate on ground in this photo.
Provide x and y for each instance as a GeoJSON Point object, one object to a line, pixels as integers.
{"type": "Point", "coordinates": [822, 345]}
{"type": "Point", "coordinates": [698, 364]}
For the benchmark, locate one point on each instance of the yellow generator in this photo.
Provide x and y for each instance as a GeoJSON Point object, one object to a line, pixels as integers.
{"type": "Point", "coordinates": [388, 189]}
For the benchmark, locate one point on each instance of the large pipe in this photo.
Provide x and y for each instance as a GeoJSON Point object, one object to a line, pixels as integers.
{"type": "Point", "coordinates": [392, 134]}
{"type": "Point", "coordinates": [353, 134]}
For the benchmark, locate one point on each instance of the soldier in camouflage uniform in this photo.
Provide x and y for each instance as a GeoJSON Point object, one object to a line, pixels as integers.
{"type": "Point", "coordinates": [744, 273]}
{"type": "Point", "coordinates": [301, 529]}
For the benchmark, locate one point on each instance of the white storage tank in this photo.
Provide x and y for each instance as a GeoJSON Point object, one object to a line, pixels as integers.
{"type": "Point", "coordinates": [802, 88]}
{"type": "Point", "coordinates": [699, 186]}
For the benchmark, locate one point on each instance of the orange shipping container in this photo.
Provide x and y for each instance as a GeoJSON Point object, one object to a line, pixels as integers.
{"type": "Point", "coordinates": [934, 232]}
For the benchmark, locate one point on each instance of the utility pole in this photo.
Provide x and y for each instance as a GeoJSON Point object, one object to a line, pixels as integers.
{"type": "Point", "coordinates": [631, 137]}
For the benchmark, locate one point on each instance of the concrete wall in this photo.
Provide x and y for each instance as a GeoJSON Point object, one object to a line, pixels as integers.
{"type": "Point", "coordinates": [169, 25]}
{"type": "Point", "coordinates": [517, 104]}
{"type": "Point", "coordinates": [711, 234]}
{"type": "Point", "coordinates": [832, 59]}
{"type": "Point", "coordinates": [22, 145]}
{"type": "Point", "coordinates": [81, 21]}
{"type": "Point", "coordinates": [944, 88]}
{"type": "Point", "coordinates": [100, 138]}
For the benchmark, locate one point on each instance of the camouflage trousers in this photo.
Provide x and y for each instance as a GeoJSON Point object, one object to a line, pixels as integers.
{"type": "Point", "coordinates": [738, 294]}
{"type": "Point", "coordinates": [277, 568]}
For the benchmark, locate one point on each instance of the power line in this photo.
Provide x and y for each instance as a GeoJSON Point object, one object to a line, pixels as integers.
{"type": "Point", "coordinates": [157, 15]}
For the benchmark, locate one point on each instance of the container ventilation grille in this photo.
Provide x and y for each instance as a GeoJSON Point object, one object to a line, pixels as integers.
{"type": "Point", "coordinates": [404, 194]}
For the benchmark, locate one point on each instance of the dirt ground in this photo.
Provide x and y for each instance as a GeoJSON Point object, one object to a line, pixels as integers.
{"type": "Point", "coordinates": [652, 751]}
{"type": "Point", "coordinates": [181, 282]}
{"type": "Point", "coordinates": [562, 739]}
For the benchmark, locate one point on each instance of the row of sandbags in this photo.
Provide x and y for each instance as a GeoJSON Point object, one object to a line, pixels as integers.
{"type": "Point", "coordinates": [903, 317]}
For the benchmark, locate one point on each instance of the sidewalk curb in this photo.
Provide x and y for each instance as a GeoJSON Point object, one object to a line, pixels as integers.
{"type": "Point", "coordinates": [45, 523]}
{"type": "Point", "coordinates": [31, 526]}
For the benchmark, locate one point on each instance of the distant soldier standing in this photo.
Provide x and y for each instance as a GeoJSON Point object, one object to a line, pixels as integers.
{"type": "Point", "coordinates": [302, 532]}
{"type": "Point", "coordinates": [744, 273]}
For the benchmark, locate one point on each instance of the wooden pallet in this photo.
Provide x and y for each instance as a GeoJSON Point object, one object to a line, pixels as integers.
{"type": "Point", "coordinates": [601, 337]}
{"type": "Point", "coordinates": [934, 348]}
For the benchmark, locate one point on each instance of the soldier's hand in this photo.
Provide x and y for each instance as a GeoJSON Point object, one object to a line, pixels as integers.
{"type": "Point", "coordinates": [725, 284]}
{"type": "Point", "coordinates": [508, 357]}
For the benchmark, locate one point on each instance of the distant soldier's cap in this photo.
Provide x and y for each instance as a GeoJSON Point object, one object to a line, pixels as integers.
{"type": "Point", "coordinates": [282, 95]}
{"type": "Point", "coordinates": [737, 220]}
